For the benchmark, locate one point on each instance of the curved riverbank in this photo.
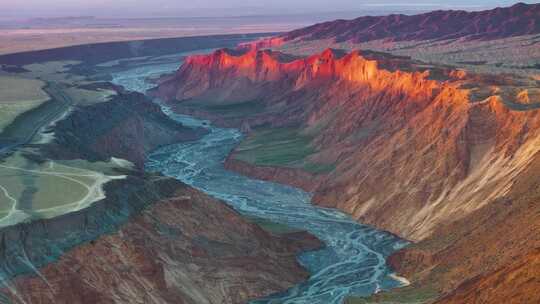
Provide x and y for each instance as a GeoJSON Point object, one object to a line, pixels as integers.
{"type": "Point", "coordinates": [354, 259]}
{"type": "Point", "coordinates": [288, 176]}
{"type": "Point", "coordinates": [147, 237]}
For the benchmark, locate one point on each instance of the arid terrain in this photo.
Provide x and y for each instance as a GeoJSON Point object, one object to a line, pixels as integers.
{"type": "Point", "coordinates": [82, 222]}
{"type": "Point", "coordinates": [20, 34]}
{"type": "Point", "coordinates": [431, 147]}
{"type": "Point", "coordinates": [332, 163]}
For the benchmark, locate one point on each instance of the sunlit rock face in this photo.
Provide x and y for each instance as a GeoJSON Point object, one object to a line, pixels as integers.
{"type": "Point", "coordinates": [446, 157]}
{"type": "Point", "coordinates": [230, 75]}
{"type": "Point", "coordinates": [150, 238]}
{"type": "Point", "coordinates": [413, 146]}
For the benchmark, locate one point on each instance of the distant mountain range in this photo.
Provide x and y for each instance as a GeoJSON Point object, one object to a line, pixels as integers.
{"type": "Point", "coordinates": [519, 19]}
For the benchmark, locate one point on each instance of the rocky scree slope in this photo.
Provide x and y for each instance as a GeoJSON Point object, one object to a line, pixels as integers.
{"type": "Point", "coordinates": [418, 136]}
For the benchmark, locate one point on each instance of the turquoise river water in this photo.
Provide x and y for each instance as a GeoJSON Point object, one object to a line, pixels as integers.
{"type": "Point", "coordinates": [353, 260]}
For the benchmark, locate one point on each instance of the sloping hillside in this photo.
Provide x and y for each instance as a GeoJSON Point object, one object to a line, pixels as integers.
{"type": "Point", "coordinates": [421, 150]}
{"type": "Point", "coordinates": [519, 19]}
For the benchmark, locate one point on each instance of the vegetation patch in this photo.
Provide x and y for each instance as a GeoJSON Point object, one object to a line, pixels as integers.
{"type": "Point", "coordinates": [47, 189]}
{"type": "Point", "coordinates": [275, 147]}
{"type": "Point", "coordinates": [26, 124]}
{"type": "Point", "coordinates": [405, 295]}
{"type": "Point", "coordinates": [19, 95]}
{"type": "Point", "coordinates": [318, 168]}
{"type": "Point", "coordinates": [229, 110]}
{"type": "Point", "coordinates": [280, 147]}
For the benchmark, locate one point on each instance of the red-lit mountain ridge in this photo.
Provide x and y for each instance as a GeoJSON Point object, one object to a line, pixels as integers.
{"type": "Point", "coordinates": [406, 147]}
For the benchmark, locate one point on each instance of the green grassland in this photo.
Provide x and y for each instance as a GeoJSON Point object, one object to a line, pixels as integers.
{"type": "Point", "coordinates": [229, 110]}
{"type": "Point", "coordinates": [31, 99]}
{"type": "Point", "coordinates": [32, 187]}
{"type": "Point", "coordinates": [288, 147]}
{"type": "Point", "coordinates": [18, 95]}
{"type": "Point", "coordinates": [280, 147]}
{"type": "Point", "coordinates": [26, 124]}
{"type": "Point", "coordinates": [275, 147]}
{"type": "Point", "coordinates": [404, 295]}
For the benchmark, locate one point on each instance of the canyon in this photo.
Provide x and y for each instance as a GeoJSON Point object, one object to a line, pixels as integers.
{"type": "Point", "coordinates": [442, 155]}
{"type": "Point", "coordinates": [150, 235]}
{"type": "Point", "coordinates": [406, 131]}
{"type": "Point", "coordinates": [329, 164]}
{"type": "Point", "coordinates": [500, 40]}
{"type": "Point", "coordinates": [146, 237]}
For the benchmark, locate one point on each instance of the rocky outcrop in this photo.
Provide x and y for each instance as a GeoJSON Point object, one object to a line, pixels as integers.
{"type": "Point", "coordinates": [185, 248]}
{"type": "Point", "coordinates": [227, 75]}
{"type": "Point", "coordinates": [127, 127]}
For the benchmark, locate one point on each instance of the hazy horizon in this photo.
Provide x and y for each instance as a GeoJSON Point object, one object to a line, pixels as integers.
{"type": "Point", "coordinates": [215, 8]}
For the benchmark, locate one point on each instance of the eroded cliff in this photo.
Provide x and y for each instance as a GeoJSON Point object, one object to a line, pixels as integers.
{"type": "Point", "coordinates": [402, 141]}
{"type": "Point", "coordinates": [423, 151]}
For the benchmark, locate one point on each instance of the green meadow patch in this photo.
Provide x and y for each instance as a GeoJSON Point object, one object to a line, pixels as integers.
{"type": "Point", "coordinates": [279, 147]}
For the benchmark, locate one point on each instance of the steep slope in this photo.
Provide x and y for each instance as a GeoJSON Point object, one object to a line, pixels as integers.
{"type": "Point", "coordinates": [151, 238]}
{"type": "Point", "coordinates": [515, 283]}
{"type": "Point", "coordinates": [492, 242]}
{"type": "Point", "coordinates": [519, 19]}
{"type": "Point", "coordinates": [399, 139]}
{"type": "Point", "coordinates": [423, 151]}
{"type": "Point", "coordinates": [188, 248]}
